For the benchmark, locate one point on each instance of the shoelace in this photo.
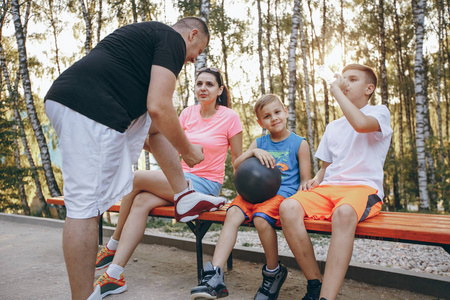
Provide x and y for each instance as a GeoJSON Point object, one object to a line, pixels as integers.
{"type": "Point", "coordinates": [207, 276]}
{"type": "Point", "coordinates": [266, 285]}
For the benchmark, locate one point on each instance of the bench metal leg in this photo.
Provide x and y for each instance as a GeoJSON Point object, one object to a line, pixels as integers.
{"type": "Point", "coordinates": [230, 262]}
{"type": "Point", "coordinates": [100, 230]}
{"type": "Point", "coordinates": [199, 228]}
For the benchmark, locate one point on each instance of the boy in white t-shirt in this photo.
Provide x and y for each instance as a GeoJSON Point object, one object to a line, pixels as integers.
{"type": "Point", "coordinates": [349, 186]}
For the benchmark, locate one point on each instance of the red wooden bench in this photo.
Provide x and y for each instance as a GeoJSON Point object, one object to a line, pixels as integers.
{"type": "Point", "coordinates": [413, 228]}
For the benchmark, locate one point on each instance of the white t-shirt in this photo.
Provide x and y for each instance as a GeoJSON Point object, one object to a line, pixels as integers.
{"type": "Point", "coordinates": [356, 158]}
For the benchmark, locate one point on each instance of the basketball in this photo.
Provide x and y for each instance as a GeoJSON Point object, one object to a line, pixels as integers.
{"type": "Point", "coordinates": [255, 182]}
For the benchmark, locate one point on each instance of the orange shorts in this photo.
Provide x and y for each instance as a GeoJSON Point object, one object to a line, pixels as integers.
{"type": "Point", "coordinates": [269, 209]}
{"type": "Point", "coordinates": [321, 201]}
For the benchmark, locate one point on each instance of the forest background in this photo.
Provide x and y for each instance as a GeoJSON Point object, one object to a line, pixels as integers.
{"type": "Point", "coordinates": [261, 46]}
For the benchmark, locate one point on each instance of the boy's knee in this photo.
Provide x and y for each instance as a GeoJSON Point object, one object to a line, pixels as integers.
{"type": "Point", "coordinates": [345, 215]}
{"type": "Point", "coordinates": [234, 215]}
{"type": "Point", "coordinates": [290, 208]}
{"type": "Point", "coordinates": [261, 223]}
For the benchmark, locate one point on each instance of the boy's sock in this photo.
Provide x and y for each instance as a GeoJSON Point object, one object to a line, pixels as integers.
{"type": "Point", "coordinates": [114, 271]}
{"type": "Point", "coordinates": [274, 270]}
{"type": "Point", "coordinates": [112, 244]}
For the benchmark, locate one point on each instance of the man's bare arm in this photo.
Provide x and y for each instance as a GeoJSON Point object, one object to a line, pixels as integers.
{"type": "Point", "coordinates": [164, 115]}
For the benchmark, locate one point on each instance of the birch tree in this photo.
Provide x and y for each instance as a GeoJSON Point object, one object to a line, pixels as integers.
{"type": "Point", "coordinates": [308, 110]}
{"type": "Point", "coordinates": [28, 95]}
{"type": "Point", "coordinates": [260, 52]}
{"type": "Point", "coordinates": [292, 64]}
{"type": "Point", "coordinates": [439, 68]}
{"type": "Point", "coordinates": [278, 53]}
{"type": "Point", "coordinates": [419, 78]}
{"type": "Point", "coordinates": [88, 22]}
{"type": "Point", "coordinates": [269, 53]}
{"type": "Point", "coordinates": [202, 59]}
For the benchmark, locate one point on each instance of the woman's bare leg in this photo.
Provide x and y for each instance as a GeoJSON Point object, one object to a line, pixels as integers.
{"type": "Point", "coordinates": [134, 227]}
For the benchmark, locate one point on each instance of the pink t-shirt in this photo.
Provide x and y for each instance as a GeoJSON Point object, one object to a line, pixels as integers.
{"type": "Point", "coordinates": [213, 134]}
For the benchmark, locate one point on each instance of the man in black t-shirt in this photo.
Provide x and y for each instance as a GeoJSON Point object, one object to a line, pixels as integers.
{"type": "Point", "coordinates": [101, 108]}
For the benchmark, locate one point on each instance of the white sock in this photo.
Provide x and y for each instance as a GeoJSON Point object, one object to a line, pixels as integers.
{"type": "Point", "coordinates": [112, 244]}
{"type": "Point", "coordinates": [114, 271]}
{"type": "Point", "coordinates": [274, 270]}
{"type": "Point", "coordinates": [177, 195]}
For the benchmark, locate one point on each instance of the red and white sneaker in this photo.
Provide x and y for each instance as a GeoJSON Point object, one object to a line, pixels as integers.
{"type": "Point", "coordinates": [189, 205]}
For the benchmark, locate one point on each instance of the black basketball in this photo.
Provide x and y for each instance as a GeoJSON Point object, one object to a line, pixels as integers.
{"type": "Point", "coordinates": [255, 182]}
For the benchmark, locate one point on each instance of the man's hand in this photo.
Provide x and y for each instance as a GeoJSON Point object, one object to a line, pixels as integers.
{"type": "Point", "coordinates": [194, 156]}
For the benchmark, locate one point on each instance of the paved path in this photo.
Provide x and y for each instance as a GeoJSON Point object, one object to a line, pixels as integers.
{"type": "Point", "coordinates": [33, 267]}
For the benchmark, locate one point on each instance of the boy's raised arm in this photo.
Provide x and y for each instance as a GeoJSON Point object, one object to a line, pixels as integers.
{"type": "Point", "coordinates": [359, 121]}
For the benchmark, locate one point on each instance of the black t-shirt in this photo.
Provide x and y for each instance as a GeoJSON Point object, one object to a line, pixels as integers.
{"type": "Point", "coordinates": [110, 84]}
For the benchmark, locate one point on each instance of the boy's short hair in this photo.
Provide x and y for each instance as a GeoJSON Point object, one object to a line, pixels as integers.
{"type": "Point", "coordinates": [264, 100]}
{"type": "Point", "coordinates": [371, 75]}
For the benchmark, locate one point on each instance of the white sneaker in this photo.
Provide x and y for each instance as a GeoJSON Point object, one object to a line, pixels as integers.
{"type": "Point", "coordinates": [96, 294]}
{"type": "Point", "coordinates": [189, 205]}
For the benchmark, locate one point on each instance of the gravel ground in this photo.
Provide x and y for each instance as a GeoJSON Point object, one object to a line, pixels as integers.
{"type": "Point", "coordinates": [419, 258]}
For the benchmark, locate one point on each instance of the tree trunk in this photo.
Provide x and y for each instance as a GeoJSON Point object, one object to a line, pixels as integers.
{"type": "Point", "coordinates": [147, 160]}
{"type": "Point", "coordinates": [224, 44]}
{"type": "Point", "coordinates": [385, 96]}
{"type": "Point", "coordinates": [428, 133]}
{"type": "Point", "coordinates": [439, 67]}
{"type": "Point", "coordinates": [87, 21]}
{"type": "Point", "coordinates": [342, 32]}
{"type": "Point", "coordinates": [99, 20]}
{"type": "Point", "coordinates": [325, 85]}
{"type": "Point", "coordinates": [55, 34]}
{"type": "Point", "coordinates": [278, 52]}
{"type": "Point", "coordinates": [134, 11]}
{"type": "Point", "coordinates": [261, 58]}
{"type": "Point", "coordinates": [308, 110]}
{"type": "Point", "coordinates": [292, 64]}
{"type": "Point", "coordinates": [269, 52]}
{"type": "Point", "coordinates": [383, 72]}
{"type": "Point", "coordinates": [202, 60]}
{"type": "Point", "coordinates": [35, 123]}
{"type": "Point", "coordinates": [419, 21]}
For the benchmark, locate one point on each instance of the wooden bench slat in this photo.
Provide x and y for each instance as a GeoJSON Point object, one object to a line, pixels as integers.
{"type": "Point", "coordinates": [427, 228]}
{"type": "Point", "coordinates": [402, 227]}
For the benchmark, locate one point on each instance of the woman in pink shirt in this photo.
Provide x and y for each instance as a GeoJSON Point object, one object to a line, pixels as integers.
{"type": "Point", "coordinates": [211, 124]}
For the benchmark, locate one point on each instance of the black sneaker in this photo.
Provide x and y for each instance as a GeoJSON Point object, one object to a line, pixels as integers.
{"type": "Point", "coordinates": [271, 284]}
{"type": "Point", "coordinates": [313, 290]}
{"type": "Point", "coordinates": [212, 285]}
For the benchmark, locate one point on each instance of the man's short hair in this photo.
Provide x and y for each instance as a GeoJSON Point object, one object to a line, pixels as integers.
{"type": "Point", "coordinates": [193, 23]}
{"type": "Point", "coordinates": [264, 100]}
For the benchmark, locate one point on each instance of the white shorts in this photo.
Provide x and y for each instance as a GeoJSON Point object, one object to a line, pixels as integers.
{"type": "Point", "coordinates": [96, 160]}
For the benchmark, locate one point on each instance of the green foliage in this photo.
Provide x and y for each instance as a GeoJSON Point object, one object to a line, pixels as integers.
{"type": "Point", "coordinates": [228, 189]}
{"type": "Point", "coordinates": [10, 175]}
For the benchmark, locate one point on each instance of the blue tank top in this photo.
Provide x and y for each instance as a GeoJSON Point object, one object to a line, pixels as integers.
{"type": "Point", "coordinates": [285, 153]}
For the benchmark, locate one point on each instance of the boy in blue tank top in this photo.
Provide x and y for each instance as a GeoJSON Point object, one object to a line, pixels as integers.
{"type": "Point", "coordinates": [290, 153]}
